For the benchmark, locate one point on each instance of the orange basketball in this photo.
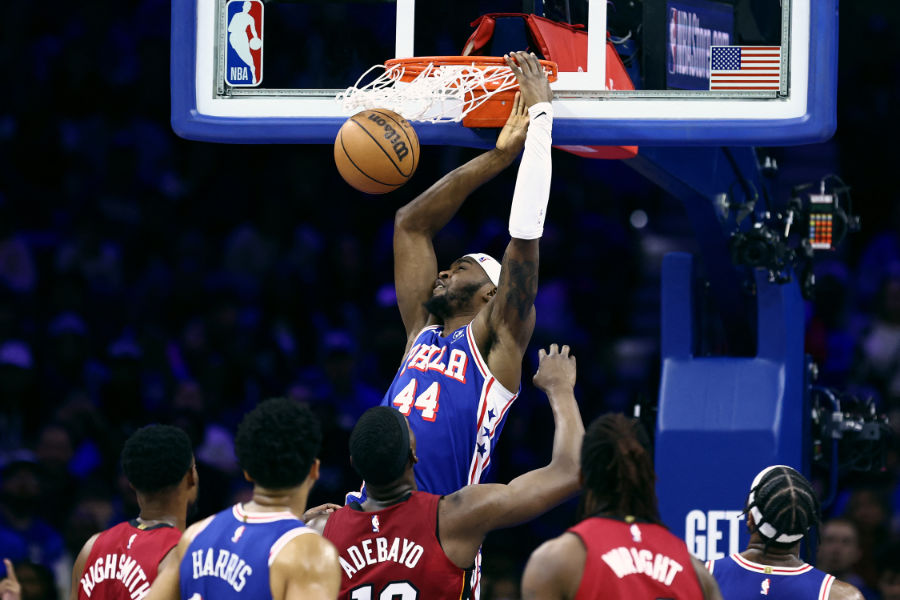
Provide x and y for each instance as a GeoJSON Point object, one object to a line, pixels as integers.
{"type": "Point", "coordinates": [376, 151]}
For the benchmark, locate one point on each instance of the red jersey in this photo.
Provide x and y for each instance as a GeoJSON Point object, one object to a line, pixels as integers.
{"type": "Point", "coordinates": [637, 561]}
{"type": "Point", "coordinates": [394, 552]}
{"type": "Point", "coordinates": [124, 560]}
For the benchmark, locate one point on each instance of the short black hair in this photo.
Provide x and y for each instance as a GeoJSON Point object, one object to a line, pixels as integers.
{"type": "Point", "coordinates": [618, 469]}
{"type": "Point", "coordinates": [277, 442]}
{"type": "Point", "coordinates": [379, 445]}
{"type": "Point", "coordinates": [157, 457]}
{"type": "Point", "coordinates": [787, 506]}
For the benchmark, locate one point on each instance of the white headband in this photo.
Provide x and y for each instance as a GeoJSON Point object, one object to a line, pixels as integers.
{"type": "Point", "coordinates": [489, 264]}
{"type": "Point", "coordinates": [766, 529]}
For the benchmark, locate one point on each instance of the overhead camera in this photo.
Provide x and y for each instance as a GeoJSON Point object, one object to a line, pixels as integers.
{"type": "Point", "coordinates": [763, 247]}
{"type": "Point", "coordinates": [848, 436]}
{"type": "Point", "coordinates": [784, 242]}
{"type": "Point", "coordinates": [848, 432]}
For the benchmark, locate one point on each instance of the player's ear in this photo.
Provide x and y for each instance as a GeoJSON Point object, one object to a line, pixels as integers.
{"type": "Point", "coordinates": [490, 293]}
{"type": "Point", "coordinates": [247, 476]}
{"type": "Point", "coordinates": [314, 470]}
{"type": "Point", "coordinates": [192, 479]}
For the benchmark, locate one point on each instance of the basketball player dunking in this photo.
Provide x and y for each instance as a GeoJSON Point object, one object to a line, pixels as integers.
{"type": "Point", "coordinates": [405, 543]}
{"type": "Point", "coordinates": [469, 325]}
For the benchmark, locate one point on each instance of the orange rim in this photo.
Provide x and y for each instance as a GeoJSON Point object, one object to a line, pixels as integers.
{"type": "Point", "coordinates": [414, 66]}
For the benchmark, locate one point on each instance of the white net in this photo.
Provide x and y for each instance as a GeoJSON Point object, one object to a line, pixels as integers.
{"type": "Point", "coordinates": [438, 93]}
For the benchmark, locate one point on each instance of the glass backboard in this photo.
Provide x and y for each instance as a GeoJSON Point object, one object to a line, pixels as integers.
{"type": "Point", "coordinates": [268, 72]}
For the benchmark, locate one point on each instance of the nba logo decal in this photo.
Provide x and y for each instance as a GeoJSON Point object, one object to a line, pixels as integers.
{"type": "Point", "coordinates": [243, 53]}
{"type": "Point", "coordinates": [376, 526]}
{"type": "Point", "coordinates": [764, 588]}
{"type": "Point", "coordinates": [635, 533]}
{"type": "Point", "coordinates": [672, 54]}
{"type": "Point", "coordinates": [238, 533]}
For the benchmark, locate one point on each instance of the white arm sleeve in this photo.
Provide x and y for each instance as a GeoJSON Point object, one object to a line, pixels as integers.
{"type": "Point", "coordinates": [529, 204]}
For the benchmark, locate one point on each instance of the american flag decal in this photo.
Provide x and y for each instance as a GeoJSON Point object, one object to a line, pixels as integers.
{"type": "Point", "coordinates": [744, 67]}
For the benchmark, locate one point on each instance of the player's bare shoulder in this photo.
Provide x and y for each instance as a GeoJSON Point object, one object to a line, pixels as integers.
{"type": "Point", "coordinates": [566, 551]}
{"type": "Point", "coordinates": [188, 536]}
{"type": "Point", "coordinates": [555, 568]}
{"type": "Point", "coordinates": [308, 556]}
{"type": "Point", "coordinates": [842, 590]}
{"type": "Point", "coordinates": [194, 530]}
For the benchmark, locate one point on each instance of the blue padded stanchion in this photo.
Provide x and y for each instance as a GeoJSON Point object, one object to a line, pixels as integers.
{"type": "Point", "coordinates": [722, 419]}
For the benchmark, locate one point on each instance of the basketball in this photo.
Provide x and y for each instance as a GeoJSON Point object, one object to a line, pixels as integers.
{"type": "Point", "coordinates": [376, 151]}
{"type": "Point", "coordinates": [255, 43]}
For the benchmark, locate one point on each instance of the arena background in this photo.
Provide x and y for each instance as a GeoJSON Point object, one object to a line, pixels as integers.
{"type": "Point", "coordinates": [145, 278]}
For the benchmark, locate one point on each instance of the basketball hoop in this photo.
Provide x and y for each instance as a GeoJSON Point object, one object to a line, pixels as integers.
{"type": "Point", "coordinates": [477, 90]}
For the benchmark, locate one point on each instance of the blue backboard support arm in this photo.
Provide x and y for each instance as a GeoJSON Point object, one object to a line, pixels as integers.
{"type": "Point", "coordinates": [699, 177]}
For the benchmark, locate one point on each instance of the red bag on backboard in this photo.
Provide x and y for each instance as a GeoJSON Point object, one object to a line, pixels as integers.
{"type": "Point", "coordinates": [566, 45]}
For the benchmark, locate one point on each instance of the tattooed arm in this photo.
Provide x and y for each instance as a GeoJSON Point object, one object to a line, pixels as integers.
{"type": "Point", "coordinates": [503, 330]}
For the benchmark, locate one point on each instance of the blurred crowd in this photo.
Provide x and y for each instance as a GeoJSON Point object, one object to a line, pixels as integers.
{"type": "Point", "coordinates": [144, 278]}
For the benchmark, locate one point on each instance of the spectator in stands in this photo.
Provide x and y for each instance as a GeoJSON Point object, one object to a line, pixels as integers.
{"type": "Point", "coordinates": [839, 552]}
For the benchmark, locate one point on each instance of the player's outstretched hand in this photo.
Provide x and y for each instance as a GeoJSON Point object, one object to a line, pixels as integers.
{"type": "Point", "coordinates": [10, 589]}
{"type": "Point", "coordinates": [533, 82]}
{"type": "Point", "coordinates": [317, 511]}
{"type": "Point", "coordinates": [556, 370]}
{"type": "Point", "coordinates": [512, 137]}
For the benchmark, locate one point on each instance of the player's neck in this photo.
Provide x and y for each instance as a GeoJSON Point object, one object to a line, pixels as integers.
{"type": "Point", "coordinates": [757, 552]}
{"type": "Point", "coordinates": [388, 495]}
{"type": "Point", "coordinates": [453, 323]}
{"type": "Point", "coordinates": [293, 500]}
{"type": "Point", "coordinates": [159, 511]}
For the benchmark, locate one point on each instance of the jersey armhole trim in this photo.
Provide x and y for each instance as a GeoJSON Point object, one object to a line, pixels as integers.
{"type": "Point", "coordinates": [482, 366]}
{"type": "Point", "coordinates": [285, 539]}
{"type": "Point", "coordinates": [580, 539]}
{"type": "Point", "coordinates": [825, 588]}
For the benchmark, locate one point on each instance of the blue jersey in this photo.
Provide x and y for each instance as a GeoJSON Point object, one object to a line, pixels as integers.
{"type": "Point", "coordinates": [741, 579]}
{"type": "Point", "coordinates": [455, 406]}
{"type": "Point", "coordinates": [230, 557]}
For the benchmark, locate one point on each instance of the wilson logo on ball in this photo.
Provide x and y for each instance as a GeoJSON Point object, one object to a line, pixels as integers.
{"type": "Point", "coordinates": [376, 151]}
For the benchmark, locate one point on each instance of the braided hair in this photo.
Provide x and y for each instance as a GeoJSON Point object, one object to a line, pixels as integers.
{"type": "Point", "coordinates": [618, 469]}
{"type": "Point", "coordinates": [784, 506]}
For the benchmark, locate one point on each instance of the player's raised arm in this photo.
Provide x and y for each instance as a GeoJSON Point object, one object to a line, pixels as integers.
{"type": "Point", "coordinates": [10, 588]}
{"type": "Point", "coordinates": [415, 264]}
{"type": "Point", "coordinates": [469, 514]}
{"type": "Point", "coordinates": [509, 321]}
